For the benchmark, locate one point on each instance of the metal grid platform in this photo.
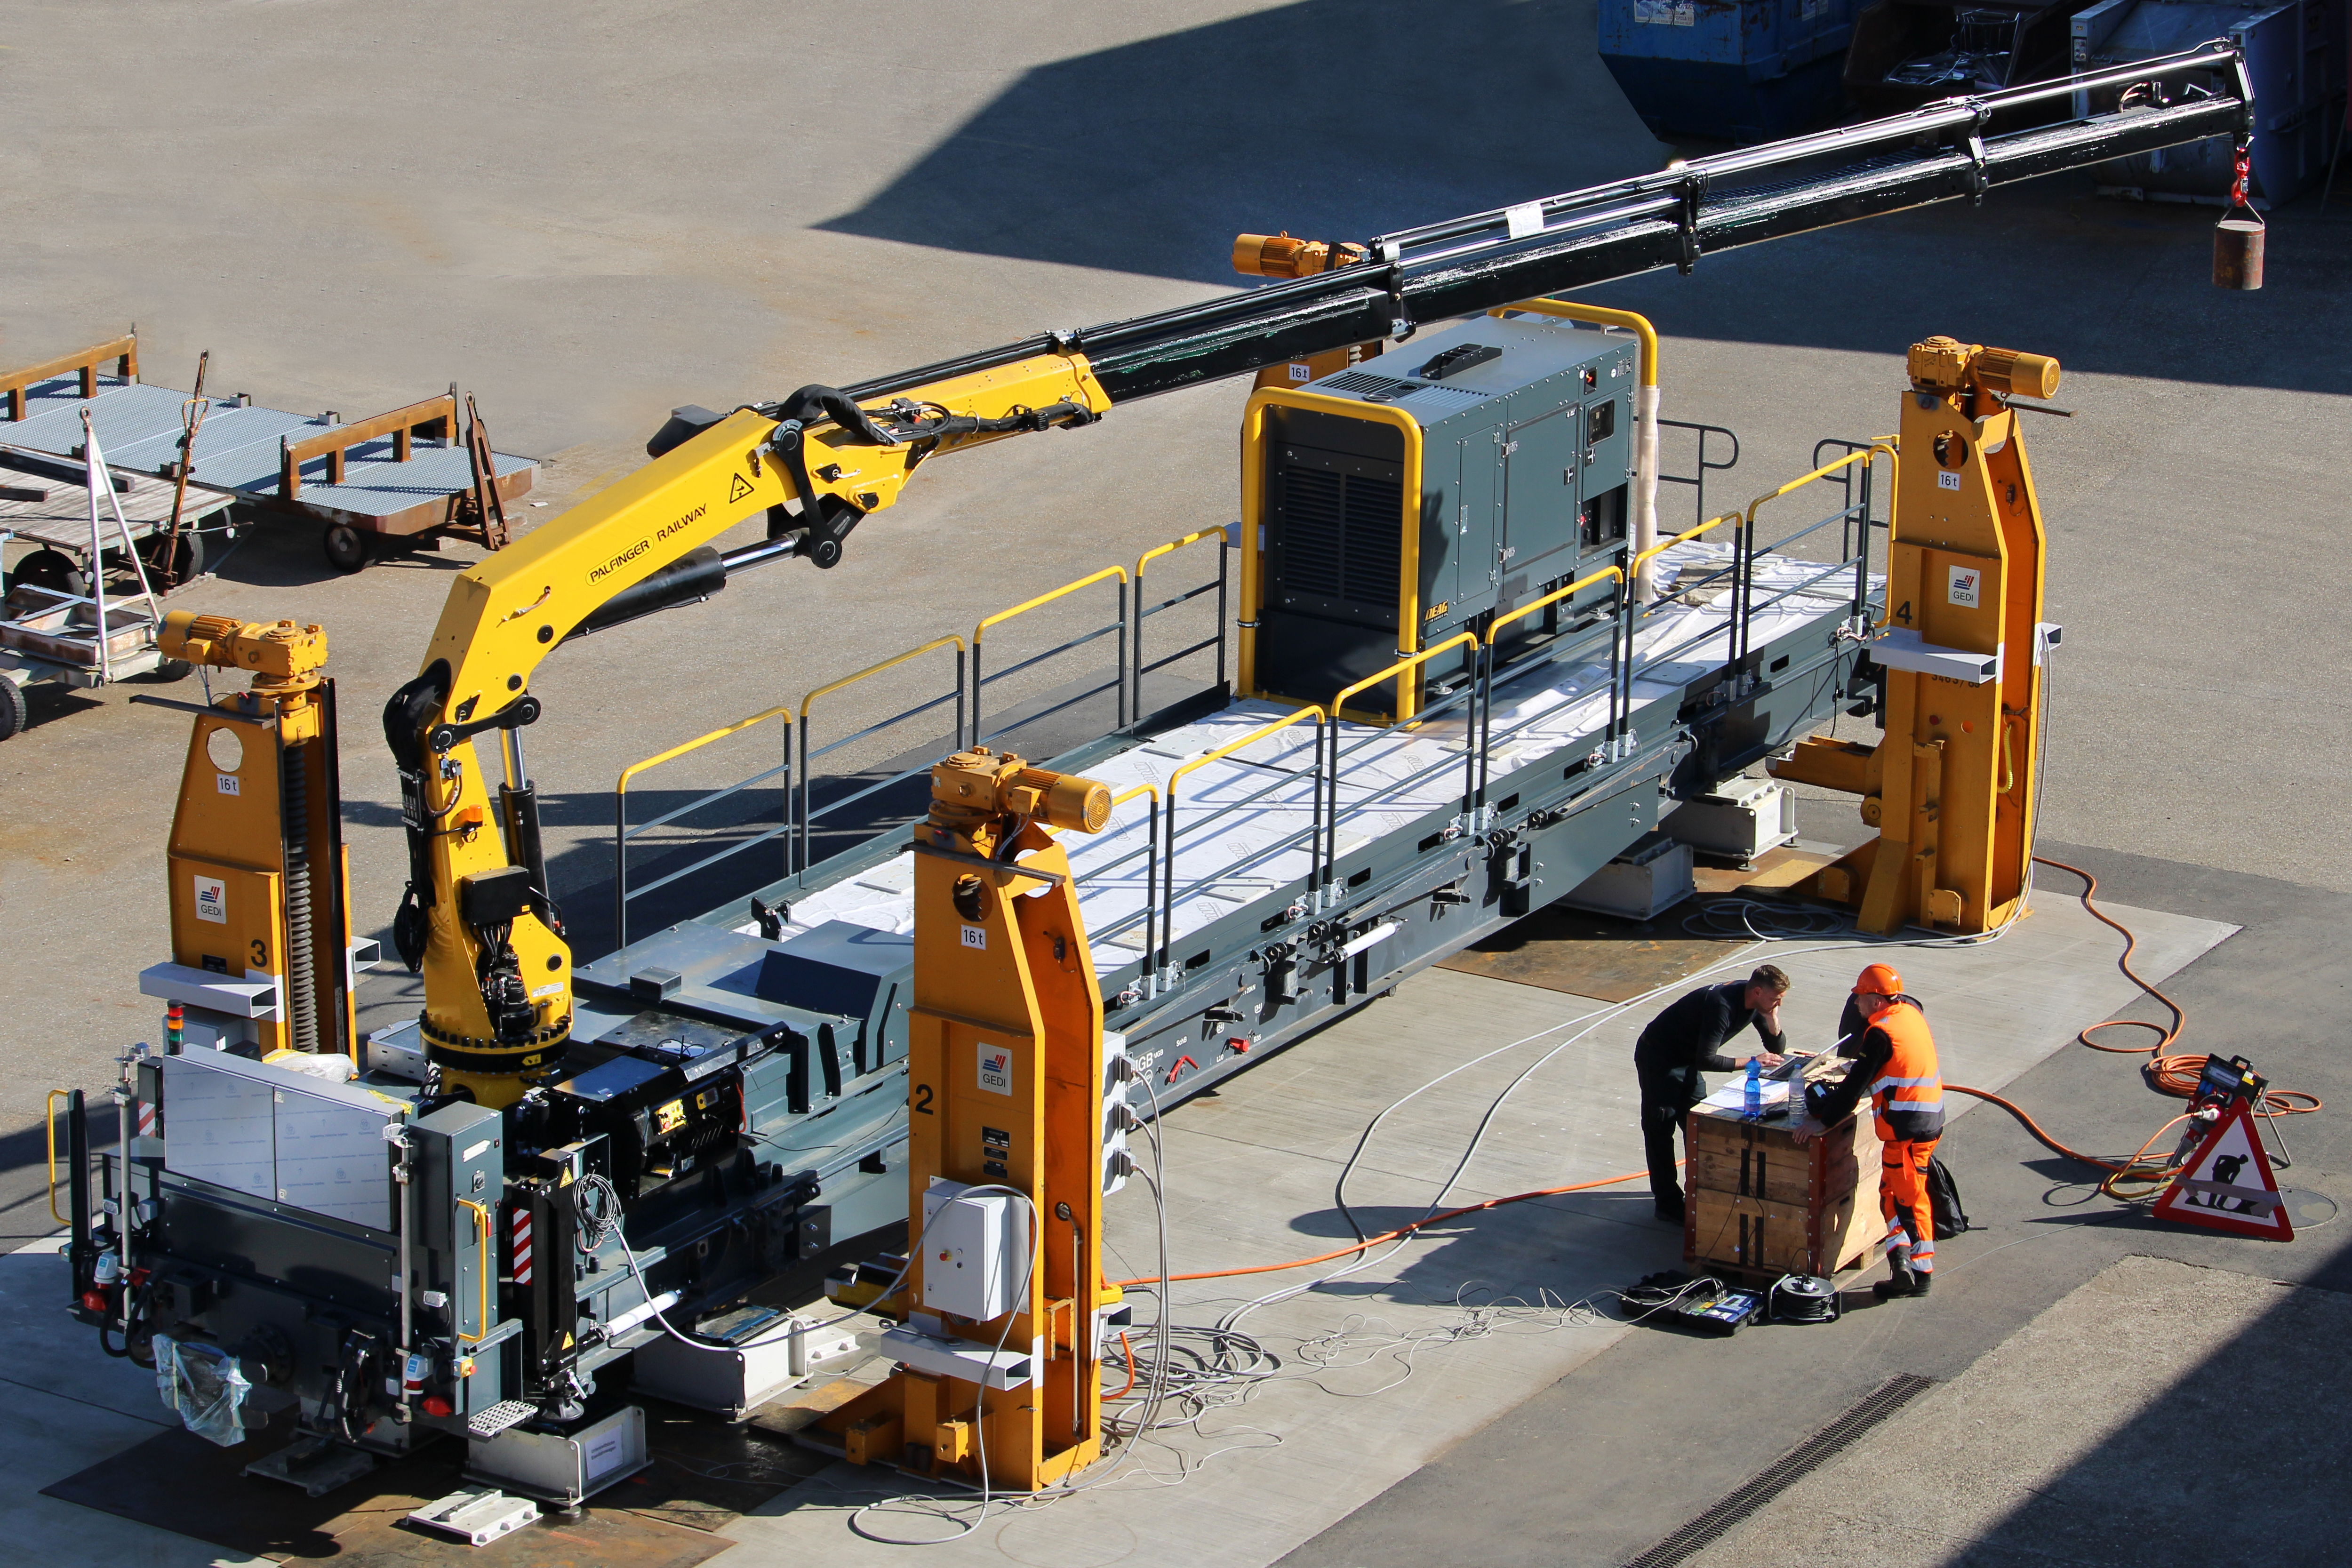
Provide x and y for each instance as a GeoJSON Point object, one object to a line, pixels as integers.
{"type": "Point", "coordinates": [237, 451]}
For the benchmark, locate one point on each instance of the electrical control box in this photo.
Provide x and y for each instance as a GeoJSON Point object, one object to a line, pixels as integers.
{"type": "Point", "coordinates": [975, 1250]}
{"type": "Point", "coordinates": [1460, 475]}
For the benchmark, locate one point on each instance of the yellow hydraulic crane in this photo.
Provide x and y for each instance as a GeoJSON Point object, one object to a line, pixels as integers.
{"type": "Point", "coordinates": [1950, 785]}
{"type": "Point", "coordinates": [477, 918]}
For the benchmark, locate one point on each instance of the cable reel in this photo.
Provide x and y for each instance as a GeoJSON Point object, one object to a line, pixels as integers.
{"type": "Point", "coordinates": [1802, 1299]}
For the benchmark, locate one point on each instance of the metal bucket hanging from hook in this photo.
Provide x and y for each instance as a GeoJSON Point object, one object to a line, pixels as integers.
{"type": "Point", "coordinates": [2237, 237]}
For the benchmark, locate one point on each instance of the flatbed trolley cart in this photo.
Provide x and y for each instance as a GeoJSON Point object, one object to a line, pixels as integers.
{"type": "Point", "coordinates": [73, 634]}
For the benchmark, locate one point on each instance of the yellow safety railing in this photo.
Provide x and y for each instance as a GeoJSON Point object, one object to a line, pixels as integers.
{"type": "Point", "coordinates": [1398, 671]}
{"type": "Point", "coordinates": [49, 1122]}
{"type": "Point", "coordinates": [830, 686]}
{"type": "Point", "coordinates": [1314, 710]}
{"type": "Point", "coordinates": [634, 769]}
{"type": "Point", "coordinates": [489, 1236]}
{"type": "Point", "coordinates": [1260, 733]}
{"type": "Point", "coordinates": [1144, 612]}
{"type": "Point", "coordinates": [1172, 546]}
{"type": "Point", "coordinates": [808, 811]}
{"type": "Point", "coordinates": [1150, 861]}
{"type": "Point", "coordinates": [979, 680]}
{"type": "Point", "coordinates": [1863, 455]}
{"type": "Point", "coordinates": [1824, 471]}
{"type": "Point", "coordinates": [1554, 597]}
{"type": "Point", "coordinates": [1685, 537]}
{"type": "Point", "coordinates": [1410, 662]}
{"type": "Point", "coordinates": [622, 832]}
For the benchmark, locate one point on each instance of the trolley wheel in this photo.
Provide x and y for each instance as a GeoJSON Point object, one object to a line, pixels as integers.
{"type": "Point", "coordinates": [346, 547]}
{"type": "Point", "coordinates": [168, 670]}
{"type": "Point", "coordinates": [14, 716]}
{"type": "Point", "coordinates": [183, 562]}
{"type": "Point", "coordinates": [52, 569]}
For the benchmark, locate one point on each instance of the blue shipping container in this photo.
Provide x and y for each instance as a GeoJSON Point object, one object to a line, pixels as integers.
{"type": "Point", "coordinates": [1730, 70]}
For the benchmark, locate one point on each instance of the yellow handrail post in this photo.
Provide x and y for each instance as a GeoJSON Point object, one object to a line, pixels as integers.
{"type": "Point", "coordinates": [487, 1267]}
{"type": "Point", "coordinates": [1067, 588]}
{"type": "Point", "coordinates": [49, 1125]}
{"type": "Point", "coordinates": [1168, 915]}
{"type": "Point", "coordinates": [621, 804]}
{"type": "Point", "coordinates": [1146, 559]}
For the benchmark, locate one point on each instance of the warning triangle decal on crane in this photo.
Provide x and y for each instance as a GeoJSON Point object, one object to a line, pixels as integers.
{"type": "Point", "coordinates": [2227, 1185]}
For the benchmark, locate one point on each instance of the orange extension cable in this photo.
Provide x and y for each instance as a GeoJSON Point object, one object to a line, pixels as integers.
{"type": "Point", "coordinates": [2174, 1075]}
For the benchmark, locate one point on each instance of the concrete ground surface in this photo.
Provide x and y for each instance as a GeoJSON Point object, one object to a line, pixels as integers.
{"type": "Point", "coordinates": [1382, 1367]}
{"type": "Point", "coordinates": [2041, 1457]}
{"type": "Point", "coordinates": [588, 214]}
{"type": "Point", "coordinates": [1646, 1437]}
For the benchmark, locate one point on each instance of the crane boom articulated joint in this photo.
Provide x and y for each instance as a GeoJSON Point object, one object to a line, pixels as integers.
{"type": "Point", "coordinates": [826, 518]}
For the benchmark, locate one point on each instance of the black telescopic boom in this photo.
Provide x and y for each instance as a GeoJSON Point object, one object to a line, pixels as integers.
{"type": "Point", "coordinates": [1671, 218]}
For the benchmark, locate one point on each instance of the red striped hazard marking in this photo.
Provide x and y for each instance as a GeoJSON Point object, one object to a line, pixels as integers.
{"type": "Point", "coordinates": [522, 1249]}
{"type": "Point", "coordinates": [151, 1120]}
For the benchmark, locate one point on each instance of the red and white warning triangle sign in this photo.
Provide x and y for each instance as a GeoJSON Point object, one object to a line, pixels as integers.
{"type": "Point", "coordinates": [2228, 1185]}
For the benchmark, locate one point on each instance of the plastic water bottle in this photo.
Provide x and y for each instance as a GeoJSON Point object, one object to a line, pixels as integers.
{"type": "Point", "coordinates": [1755, 1111]}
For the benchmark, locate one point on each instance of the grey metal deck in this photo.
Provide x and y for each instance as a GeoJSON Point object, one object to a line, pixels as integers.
{"type": "Point", "coordinates": [237, 449]}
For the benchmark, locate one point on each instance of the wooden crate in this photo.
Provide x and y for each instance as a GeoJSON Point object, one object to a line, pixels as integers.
{"type": "Point", "coordinates": [1760, 1201]}
{"type": "Point", "coordinates": [1728, 1230]}
{"type": "Point", "coordinates": [1763, 1160]}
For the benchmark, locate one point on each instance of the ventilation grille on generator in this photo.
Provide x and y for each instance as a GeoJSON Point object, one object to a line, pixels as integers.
{"type": "Point", "coordinates": [1342, 536]}
{"type": "Point", "coordinates": [1362, 380]}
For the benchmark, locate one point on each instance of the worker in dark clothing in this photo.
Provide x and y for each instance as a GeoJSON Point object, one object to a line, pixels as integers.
{"type": "Point", "coordinates": [1894, 1065]}
{"type": "Point", "coordinates": [1680, 1042]}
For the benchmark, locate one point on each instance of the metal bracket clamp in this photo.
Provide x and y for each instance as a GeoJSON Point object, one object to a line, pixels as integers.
{"type": "Point", "coordinates": [1979, 182]}
{"type": "Point", "coordinates": [1007, 868]}
{"type": "Point", "coordinates": [523, 710]}
{"type": "Point", "coordinates": [1694, 186]}
{"type": "Point", "coordinates": [1401, 324]}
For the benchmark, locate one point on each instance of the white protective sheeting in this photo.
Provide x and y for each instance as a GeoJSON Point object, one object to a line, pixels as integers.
{"type": "Point", "coordinates": [1242, 822]}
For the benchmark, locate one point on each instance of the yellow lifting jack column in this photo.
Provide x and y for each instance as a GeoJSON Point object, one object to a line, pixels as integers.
{"type": "Point", "coordinates": [1950, 785]}
{"type": "Point", "coordinates": [998, 1349]}
{"type": "Point", "coordinates": [259, 875]}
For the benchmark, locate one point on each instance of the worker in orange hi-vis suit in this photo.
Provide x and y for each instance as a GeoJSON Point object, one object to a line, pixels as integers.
{"type": "Point", "coordinates": [1894, 1064]}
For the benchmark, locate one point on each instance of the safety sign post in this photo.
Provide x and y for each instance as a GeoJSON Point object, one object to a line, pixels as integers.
{"type": "Point", "coordinates": [2227, 1185]}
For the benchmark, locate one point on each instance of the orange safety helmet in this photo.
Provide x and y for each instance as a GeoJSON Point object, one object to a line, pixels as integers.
{"type": "Point", "coordinates": [1880, 978]}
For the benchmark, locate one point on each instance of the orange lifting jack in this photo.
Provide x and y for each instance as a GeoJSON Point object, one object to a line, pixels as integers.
{"type": "Point", "coordinates": [1951, 787]}
{"type": "Point", "coordinates": [998, 1378]}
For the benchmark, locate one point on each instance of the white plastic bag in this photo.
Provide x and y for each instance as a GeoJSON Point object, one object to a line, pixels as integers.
{"type": "Point", "coordinates": [205, 1385]}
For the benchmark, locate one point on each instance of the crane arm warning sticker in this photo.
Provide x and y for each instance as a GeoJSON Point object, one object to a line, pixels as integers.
{"type": "Point", "coordinates": [1968, 583]}
{"type": "Point", "coordinates": [995, 1069]}
{"type": "Point", "coordinates": [739, 487]}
